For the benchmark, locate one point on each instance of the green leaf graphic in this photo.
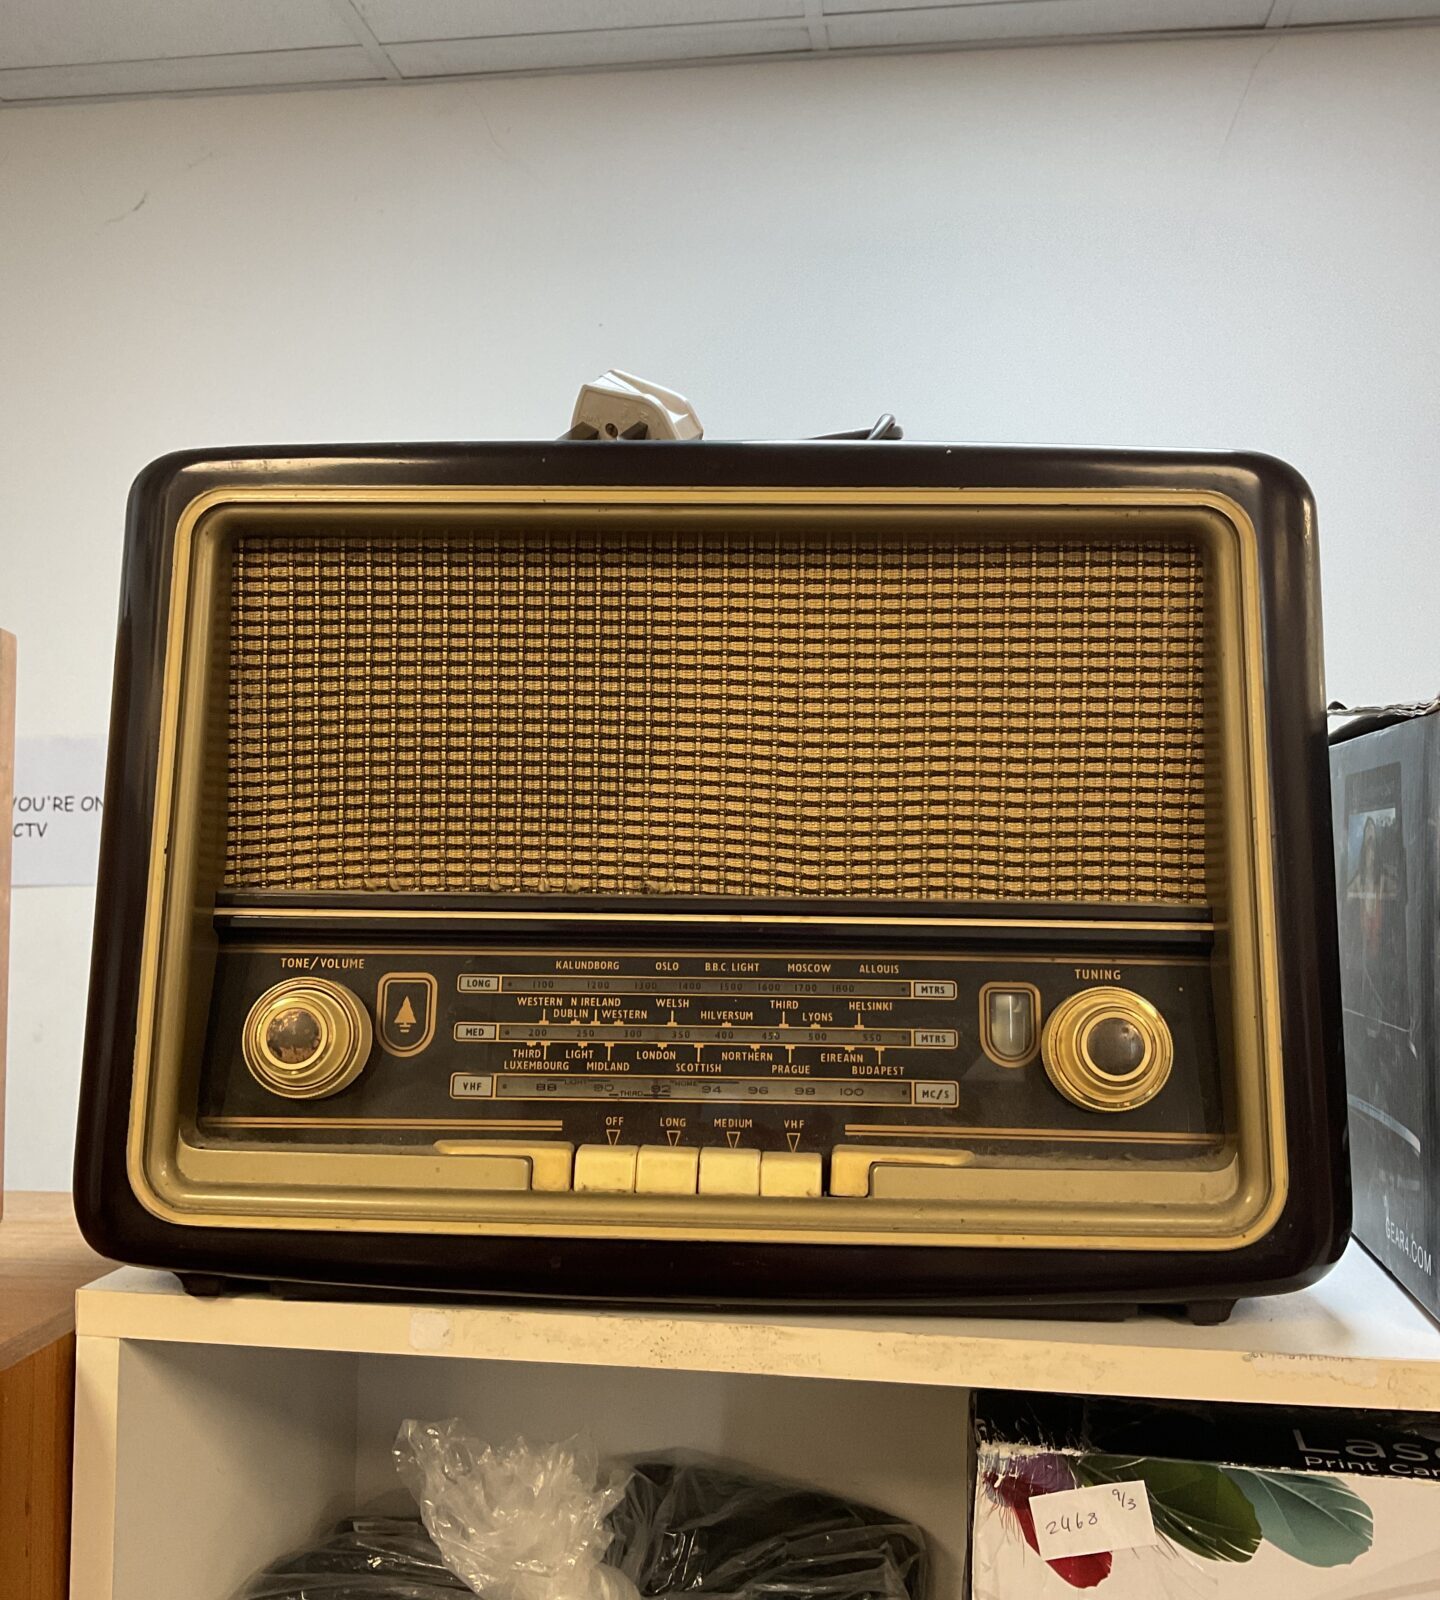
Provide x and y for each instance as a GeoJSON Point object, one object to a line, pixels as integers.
{"type": "Point", "coordinates": [1319, 1521]}
{"type": "Point", "coordinates": [1193, 1503]}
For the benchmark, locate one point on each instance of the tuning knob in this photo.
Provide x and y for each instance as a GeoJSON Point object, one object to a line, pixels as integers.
{"type": "Point", "coordinates": [306, 1038]}
{"type": "Point", "coordinates": [1107, 1049]}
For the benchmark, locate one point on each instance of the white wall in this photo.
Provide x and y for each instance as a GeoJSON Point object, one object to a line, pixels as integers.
{"type": "Point", "coordinates": [1229, 243]}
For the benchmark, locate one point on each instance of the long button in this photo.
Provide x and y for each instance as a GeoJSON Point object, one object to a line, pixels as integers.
{"type": "Point", "coordinates": [606, 1168]}
{"type": "Point", "coordinates": [666, 1169]}
{"type": "Point", "coordinates": [793, 1174]}
{"type": "Point", "coordinates": [735, 1172]}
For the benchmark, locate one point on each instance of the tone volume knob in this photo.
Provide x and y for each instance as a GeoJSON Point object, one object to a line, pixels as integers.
{"type": "Point", "coordinates": [1107, 1049]}
{"type": "Point", "coordinates": [306, 1038]}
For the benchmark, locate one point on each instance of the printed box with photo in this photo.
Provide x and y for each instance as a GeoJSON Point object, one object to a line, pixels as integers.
{"type": "Point", "coordinates": [1139, 1500]}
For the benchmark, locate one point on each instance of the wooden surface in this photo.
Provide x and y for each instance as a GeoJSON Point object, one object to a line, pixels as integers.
{"type": "Point", "coordinates": [37, 1408]}
{"type": "Point", "coordinates": [43, 1261]}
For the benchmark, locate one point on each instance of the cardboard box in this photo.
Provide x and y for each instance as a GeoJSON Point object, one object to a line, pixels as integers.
{"type": "Point", "coordinates": [1385, 777]}
{"type": "Point", "coordinates": [1234, 1502]}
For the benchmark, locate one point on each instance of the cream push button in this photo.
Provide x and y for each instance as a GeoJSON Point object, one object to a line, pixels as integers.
{"type": "Point", "coordinates": [667, 1169]}
{"type": "Point", "coordinates": [897, 1174]}
{"type": "Point", "coordinates": [606, 1168]}
{"type": "Point", "coordinates": [730, 1172]}
{"type": "Point", "coordinates": [794, 1175]}
{"type": "Point", "coordinates": [510, 1163]}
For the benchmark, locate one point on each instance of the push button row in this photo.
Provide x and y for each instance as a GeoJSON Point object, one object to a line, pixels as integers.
{"type": "Point", "coordinates": [676, 1170]}
{"type": "Point", "coordinates": [886, 1174]}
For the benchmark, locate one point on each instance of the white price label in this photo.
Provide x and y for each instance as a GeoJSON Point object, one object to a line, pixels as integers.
{"type": "Point", "coordinates": [1082, 1522]}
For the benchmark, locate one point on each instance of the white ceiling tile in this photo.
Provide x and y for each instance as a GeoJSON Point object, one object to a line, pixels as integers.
{"type": "Point", "coordinates": [613, 47]}
{"type": "Point", "coordinates": [1170, 14]}
{"type": "Point", "coordinates": [58, 33]}
{"type": "Point", "coordinates": [392, 21]}
{"type": "Point", "coordinates": [839, 6]}
{"type": "Point", "coordinates": [240, 71]}
{"type": "Point", "coordinates": [1310, 13]}
{"type": "Point", "coordinates": [58, 49]}
{"type": "Point", "coordinates": [858, 26]}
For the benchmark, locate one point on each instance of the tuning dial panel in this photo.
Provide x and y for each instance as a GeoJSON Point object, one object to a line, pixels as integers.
{"type": "Point", "coordinates": [306, 1038]}
{"type": "Point", "coordinates": [1107, 1049]}
{"type": "Point", "coordinates": [794, 1074]}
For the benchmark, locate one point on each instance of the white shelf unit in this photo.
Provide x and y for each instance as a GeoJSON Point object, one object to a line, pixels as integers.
{"type": "Point", "coordinates": [213, 1435]}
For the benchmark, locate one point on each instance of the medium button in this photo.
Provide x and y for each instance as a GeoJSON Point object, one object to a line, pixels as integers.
{"type": "Point", "coordinates": [606, 1168]}
{"type": "Point", "coordinates": [733, 1172]}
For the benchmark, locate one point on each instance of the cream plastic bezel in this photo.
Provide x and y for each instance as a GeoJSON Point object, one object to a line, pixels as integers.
{"type": "Point", "coordinates": [1216, 1201]}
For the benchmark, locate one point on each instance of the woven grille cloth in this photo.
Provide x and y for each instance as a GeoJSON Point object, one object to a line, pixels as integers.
{"type": "Point", "coordinates": [730, 713]}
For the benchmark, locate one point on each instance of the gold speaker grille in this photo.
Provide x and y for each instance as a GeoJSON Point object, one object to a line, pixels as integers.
{"type": "Point", "coordinates": [718, 714]}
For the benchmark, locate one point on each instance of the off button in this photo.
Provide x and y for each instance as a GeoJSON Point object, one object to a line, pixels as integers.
{"type": "Point", "coordinates": [405, 1012]}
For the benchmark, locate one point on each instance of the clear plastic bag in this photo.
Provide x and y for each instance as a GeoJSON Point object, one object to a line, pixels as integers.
{"type": "Point", "coordinates": [367, 1558]}
{"type": "Point", "coordinates": [527, 1522]}
{"type": "Point", "coordinates": [519, 1522]}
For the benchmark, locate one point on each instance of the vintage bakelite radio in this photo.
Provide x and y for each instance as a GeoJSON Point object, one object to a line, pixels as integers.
{"type": "Point", "coordinates": [822, 873]}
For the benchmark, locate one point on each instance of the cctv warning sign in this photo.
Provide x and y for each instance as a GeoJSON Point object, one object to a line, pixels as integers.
{"type": "Point", "coordinates": [56, 812]}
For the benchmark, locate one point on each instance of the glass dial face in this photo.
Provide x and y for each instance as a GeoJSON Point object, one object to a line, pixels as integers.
{"type": "Point", "coordinates": [1115, 1046]}
{"type": "Point", "coordinates": [293, 1035]}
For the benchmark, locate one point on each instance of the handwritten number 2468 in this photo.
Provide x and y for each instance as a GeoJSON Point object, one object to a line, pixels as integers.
{"type": "Point", "coordinates": [1073, 1524]}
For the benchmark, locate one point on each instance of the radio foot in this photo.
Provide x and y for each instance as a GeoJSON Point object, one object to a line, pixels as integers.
{"type": "Point", "coordinates": [210, 1286]}
{"type": "Point", "coordinates": [1208, 1313]}
{"type": "Point", "coordinates": [204, 1286]}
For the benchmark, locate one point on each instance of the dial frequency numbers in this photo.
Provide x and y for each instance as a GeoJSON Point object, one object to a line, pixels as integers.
{"type": "Point", "coordinates": [685, 1033]}
{"type": "Point", "coordinates": [737, 988]}
{"type": "Point", "coordinates": [724, 1091]}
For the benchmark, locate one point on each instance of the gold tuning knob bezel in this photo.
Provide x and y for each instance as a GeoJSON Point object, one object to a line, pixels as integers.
{"type": "Point", "coordinates": [1063, 1047]}
{"type": "Point", "coordinates": [345, 1039]}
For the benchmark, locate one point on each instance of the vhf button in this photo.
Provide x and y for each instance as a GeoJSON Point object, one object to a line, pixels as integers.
{"type": "Point", "coordinates": [405, 1011]}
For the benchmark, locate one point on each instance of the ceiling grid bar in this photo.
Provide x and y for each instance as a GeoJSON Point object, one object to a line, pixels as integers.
{"type": "Point", "coordinates": [815, 22]}
{"type": "Point", "coordinates": [365, 38]}
{"type": "Point", "coordinates": [79, 50]}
